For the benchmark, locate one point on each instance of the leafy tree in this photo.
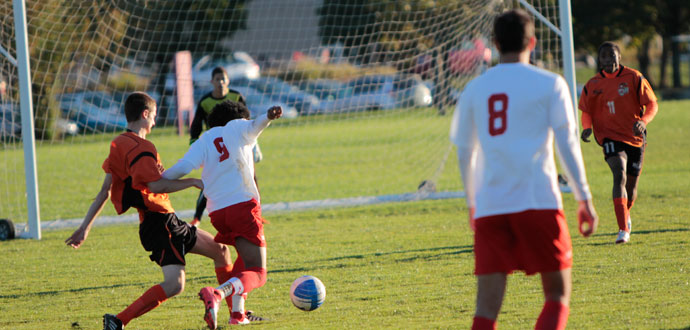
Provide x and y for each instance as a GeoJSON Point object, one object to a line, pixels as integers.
{"type": "Point", "coordinates": [65, 35]}
{"type": "Point", "coordinates": [398, 31]}
{"type": "Point", "coordinates": [596, 21]}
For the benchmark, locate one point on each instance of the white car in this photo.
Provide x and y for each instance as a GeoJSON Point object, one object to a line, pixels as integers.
{"type": "Point", "coordinates": [238, 65]}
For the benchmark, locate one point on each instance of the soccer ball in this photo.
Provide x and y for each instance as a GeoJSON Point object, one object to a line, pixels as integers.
{"type": "Point", "coordinates": [307, 293]}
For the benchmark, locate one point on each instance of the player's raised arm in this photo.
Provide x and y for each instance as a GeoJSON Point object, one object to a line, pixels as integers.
{"type": "Point", "coordinates": [79, 235]}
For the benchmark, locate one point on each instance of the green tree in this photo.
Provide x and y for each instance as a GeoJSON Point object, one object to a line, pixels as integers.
{"type": "Point", "coordinates": [57, 33]}
{"type": "Point", "coordinates": [399, 31]}
{"type": "Point", "coordinates": [597, 21]}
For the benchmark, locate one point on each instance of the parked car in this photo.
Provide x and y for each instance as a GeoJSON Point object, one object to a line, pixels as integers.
{"type": "Point", "coordinates": [280, 90]}
{"type": "Point", "coordinates": [325, 89]}
{"type": "Point", "coordinates": [11, 128]}
{"type": "Point", "coordinates": [472, 57]}
{"type": "Point", "coordinates": [258, 103]}
{"type": "Point", "coordinates": [378, 92]}
{"type": "Point", "coordinates": [94, 111]}
{"type": "Point", "coordinates": [10, 125]}
{"type": "Point", "coordinates": [239, 65]}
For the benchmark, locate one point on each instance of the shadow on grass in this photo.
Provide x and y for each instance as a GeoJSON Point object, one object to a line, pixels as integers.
{"type": "Point", "coordinates": [454, 250]}
{"type": "Point", "coordinates": [77, 290]}
{"type": "Point", "coordinates": [685, 328]}
{"type": "Point", "coordinates": [635, 233]}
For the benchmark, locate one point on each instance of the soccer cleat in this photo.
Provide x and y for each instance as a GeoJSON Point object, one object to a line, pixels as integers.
{"type": "Point", "coordinates": [111, 322]}
{"type": "Point", "coordinates": [253, 317]}
{"type": "Point", "coordinates": [237, 318]}
{"type": "Point", "coordinates": [623, 237]}
{"type": "Point", "coordinates": [195, 222]}
{"type": "Point", "coordinates": [211, 298]}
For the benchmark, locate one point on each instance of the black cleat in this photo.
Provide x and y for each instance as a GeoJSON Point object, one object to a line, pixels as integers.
{"type": "Point", "coordinates": [253, 317]}
{"type": "Point", "coordinates": [111, 322]}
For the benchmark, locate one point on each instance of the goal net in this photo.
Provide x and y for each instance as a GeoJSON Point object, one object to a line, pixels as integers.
{"type": "Point", "coordinates": [367, 86]}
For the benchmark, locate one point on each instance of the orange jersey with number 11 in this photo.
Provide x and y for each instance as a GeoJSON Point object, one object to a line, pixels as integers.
{"type": "Point", "coordinates": [615, 102]}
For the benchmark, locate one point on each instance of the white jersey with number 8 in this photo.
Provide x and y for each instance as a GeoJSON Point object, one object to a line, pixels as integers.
{"type": "Point", "coordinates": [504, 127]}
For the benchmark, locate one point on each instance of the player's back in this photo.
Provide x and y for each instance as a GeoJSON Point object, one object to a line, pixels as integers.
{"type": "Point", "coordinates": [228, 169]}
{"type": "Point", "coordinates": [513, 107]}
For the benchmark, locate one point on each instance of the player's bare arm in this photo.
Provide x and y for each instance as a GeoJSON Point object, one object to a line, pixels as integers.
{"type": "Point", "coordinates": [79, 235]}
{"type": "Point", "coordinates": [168, 186]}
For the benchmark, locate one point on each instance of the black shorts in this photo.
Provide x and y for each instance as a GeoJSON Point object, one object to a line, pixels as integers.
{"type": "Point", "coordinates": [635, 155]}
{"type": "Point", "coordinates": [166, 237]}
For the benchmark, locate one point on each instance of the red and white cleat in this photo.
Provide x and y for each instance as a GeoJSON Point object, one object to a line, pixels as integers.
{"type": "Point", "coordinates": [211, 298]}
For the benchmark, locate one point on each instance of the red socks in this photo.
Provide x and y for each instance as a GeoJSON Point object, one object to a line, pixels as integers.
{"type": "Point", "coordinates": [630, 204]}
{"type": "Point", "coordinates": [252, 278]}
{"type": "Point", "coordinates": [554, 316]}
{"type": "Point", "coordinates": [148, 301]}
{"type": "Point", "coordinates": [482, 323]}
{"type": "Point", "coordinates": [620, 205]}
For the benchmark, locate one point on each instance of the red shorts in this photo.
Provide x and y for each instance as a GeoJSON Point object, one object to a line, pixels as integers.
{"type": "Point", "coordinates": [239, 220]}
{"type": "Point", "coordinates": [535, 241]}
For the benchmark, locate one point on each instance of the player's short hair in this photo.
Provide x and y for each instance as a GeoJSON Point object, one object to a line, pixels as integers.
{"type": "Point", "coordinates": [136, 103]}
{"type": "Point", "coordinates": [604, 45]}
{"type": "Point", "coordinates": [513, 30]}
{"type": "Point", "coordinates": [226, 111]}
{"type": "Point", "coordinates": [608, 44]}
{"type": "Point", "coordinates": [217, 70]}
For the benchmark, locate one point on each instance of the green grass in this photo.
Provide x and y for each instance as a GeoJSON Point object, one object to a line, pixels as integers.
{"type": "Point", "coordinates": [406, 265]}
{"type": "Point", "coordinates": [311, 158]}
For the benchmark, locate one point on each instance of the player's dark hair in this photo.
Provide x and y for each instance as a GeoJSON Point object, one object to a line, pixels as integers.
{"type": "Point", "coordinates": [608, 44]}
{"type": "Point", "coordinates": [135, 105]}
{"type": "Point", "coordinates": [513, 30]}
{"type": "Point", "coordinates": [226, 111]}
{"type": "Point", "coordinates": [217, 70]}
{"type": "Point", "coordinates": [605, 45]}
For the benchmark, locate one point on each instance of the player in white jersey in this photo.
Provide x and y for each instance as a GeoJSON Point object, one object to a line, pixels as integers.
{"type": "Point", "coordinates": [225, 153]}
{"type": "Point", "coordinates": [504, 127]}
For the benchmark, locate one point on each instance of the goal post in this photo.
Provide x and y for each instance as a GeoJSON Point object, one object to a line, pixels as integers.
{"type": "Point", "coordinates": [27, 115]}
{"type": "Point", "coordinates": [367, 87]}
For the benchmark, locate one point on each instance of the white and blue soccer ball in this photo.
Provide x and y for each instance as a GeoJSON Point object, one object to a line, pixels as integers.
{"type": "Point", "coordinates": [307, 293]}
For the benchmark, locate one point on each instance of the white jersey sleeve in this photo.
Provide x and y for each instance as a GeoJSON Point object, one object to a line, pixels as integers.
{"type": "Point", "coordinates": [193, 159]}
{"type": "Point", "coordinates": [567, 140]}
{"type": "Point", "coordinates": [463, 134]}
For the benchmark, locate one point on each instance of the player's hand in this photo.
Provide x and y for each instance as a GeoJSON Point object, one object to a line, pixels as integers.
{"type": "Point", "coordinates": [77, 238]}
{"type": "Point", "coordinates": [274, 112]}
{"type": "Point", "coordinates": [586, 133]}
{"type": "Point", "coordinates": [587, 218]}
{"type": "Point", "coordinates": [639, 127]}
{"type": "Point", "coordinates": [473, 224]}
{"type": "Point", "coordinates": [198, 183]}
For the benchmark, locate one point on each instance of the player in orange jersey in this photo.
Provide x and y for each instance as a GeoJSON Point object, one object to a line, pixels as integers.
{"type": "Point", "coordinates": [133, 179]}
{"type": "Point", "coordinates": [617, 104]}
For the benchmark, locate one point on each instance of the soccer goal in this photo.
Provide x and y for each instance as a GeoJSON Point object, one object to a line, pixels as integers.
{"type": "Point", "coordinates": [367, 86]}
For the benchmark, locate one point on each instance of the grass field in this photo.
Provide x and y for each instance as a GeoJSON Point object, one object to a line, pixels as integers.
{"type": "Point", "coordinates": [406, 265]}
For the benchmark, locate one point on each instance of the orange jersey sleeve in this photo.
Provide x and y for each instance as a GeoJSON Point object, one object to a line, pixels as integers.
{"type": "Point", "coordinates": [614, 103]}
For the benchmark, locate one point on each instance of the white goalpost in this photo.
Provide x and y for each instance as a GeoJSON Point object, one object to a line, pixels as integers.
{"type": "Point", "coordinates": [369, 86]}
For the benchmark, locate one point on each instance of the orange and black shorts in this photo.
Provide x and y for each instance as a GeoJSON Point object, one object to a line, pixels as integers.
{"type": "Point", "coordinates": [166, 237]}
